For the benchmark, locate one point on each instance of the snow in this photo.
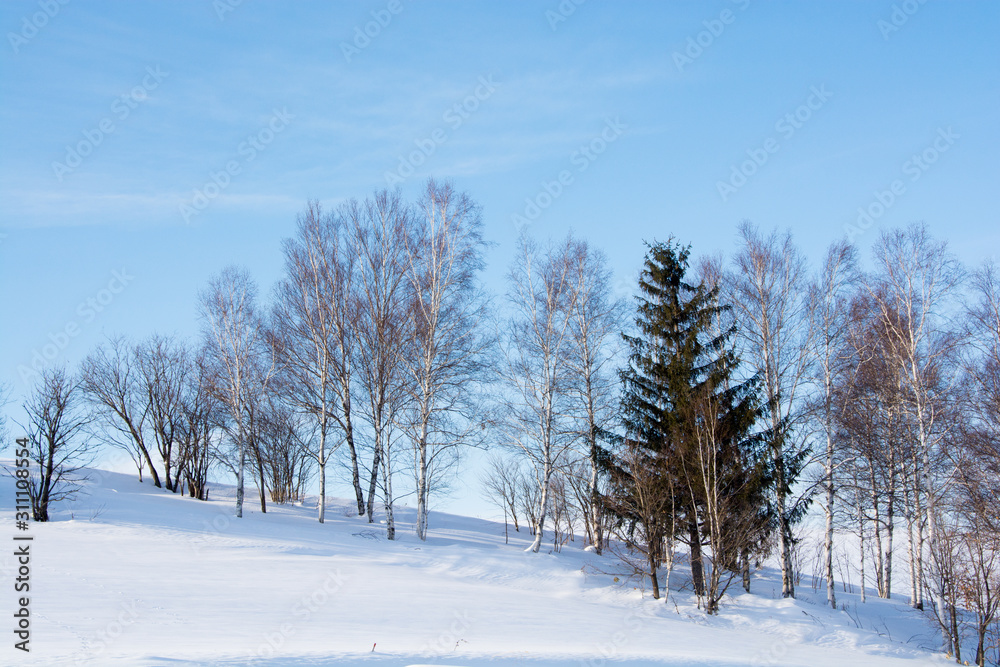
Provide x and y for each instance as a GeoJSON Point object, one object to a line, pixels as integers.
{"type": "Point", "coordinates": [128, 574]}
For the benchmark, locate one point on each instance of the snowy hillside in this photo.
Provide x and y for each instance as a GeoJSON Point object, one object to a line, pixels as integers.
{"type": "Point", "coordinates": [131, 575]}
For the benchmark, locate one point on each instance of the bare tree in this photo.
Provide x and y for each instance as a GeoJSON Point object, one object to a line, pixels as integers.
{"type": "Point", "coordinates": [234, 343]}
{"type": "Point", "coordinates": [980, 467]}
{"type": "Point", "coordinates": [578, 476]}
{"type": "Point", "coordinates": [56, 444]}
{"type": "Point", "coordinates": [916, 280]}
{"type": "Point", "coordinates": [200, 416]}
{"type": "Point", "coordinates": [541, 293]}
{"type": "Point", "coordinates": [448, 345]}
{"type": "Point", "coordinates": [500, 485]}
{"type": "Point", "coordinates": [871, 435]}
{"type": "Point", "coordinates": [768, 292]}
{"type": "Point", "coordinates": [343, 311]}
{"type": "Point", "coordinates": [111, 382]}
{"type": "Point", "coordinates": [528, 497]}
{"type": "Point", "coordinates": [284, 455]}
{"type": "Point", "coordinates": [564, 512]}
{"type": "Point", "coordinates": [595, 322]}
{"type": "Point", "coordinates": [381, 227]}
{"type": "Point", "coordinates": [308, 333]}
{"type": "Point", "coordinates": [722, 478]}
{"type": "Point", "coordinates": [645, 502]}
{"type": "Point", "coordinates": [162, 367]}
{"type": "Point", "coordinates": [978, 576]}
{"type": "Point", "coordinates": [829, 303]}
{"type": "Point", "coordinates": [982, 363]}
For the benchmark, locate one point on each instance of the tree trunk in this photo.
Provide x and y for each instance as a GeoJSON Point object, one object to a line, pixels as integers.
{"type": "Point", "coordinates": [831, 594]}
{"type": "Point", "coordinates": [784, 529]}
{"type": "Point", "coordinates": [745, 572]}
{"type": "Point", "coordinates": [355, 475]}
{"type": "Point", "coordinates": [877, 535]}
{"type": "Point", "coordinates": [422, 483]}
{"type": "Point", "coordinates": [653, 579]}
{"type": "Point", "coordinates": [890, 525]}
{"type": "Point", "coordinates": [376, 462]}
{"type": "Point", "coordinates": [597, 531]}
{"type": "Point", "coordinates": [390, 524]}
{"type": "Point", "coordinates": [697, 565]}
{"type": "Point", "coordinates": [152, 468]}
{"type": "Point", "coordinates": [911, 558]}
{"type": "Point", "coordinates": [861, 545]}
{"type": "Point", "coordinates": [263, 488]}
{"type": "Point", "coordinates": [170, 484]}
{"type": "Point", "coordinates": [239, 476]}
{"type": "Point", "coordinates": [542, 505]}
{"type": "Point", "coordinates": [322, 474]}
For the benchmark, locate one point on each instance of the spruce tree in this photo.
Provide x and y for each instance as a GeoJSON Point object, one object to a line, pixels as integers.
{"type": "Point", "coordinates": [678, 387]}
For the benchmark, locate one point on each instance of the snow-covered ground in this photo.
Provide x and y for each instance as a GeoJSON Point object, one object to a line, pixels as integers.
{"type": "Point", "coordinates": [131, 575]}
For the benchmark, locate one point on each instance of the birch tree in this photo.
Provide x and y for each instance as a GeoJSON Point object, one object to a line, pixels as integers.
{"type": "Point", "coordinates": [308, 339]}
{"type": "Point", "coordinates": [767, 290]}
{"type": "Point", "coordinates": [234, 342]}
{"type": "Point", "coordinates": [915, 281]}
{"type": "Point", "coordinates": [982, 362]}
{"type": "Point", "coordinates": [536, 412]}
{"type": "Point", "coordinates": [829, 305]}
{"type": "Point", "coordinates": [871, 434]}
{"type": "Point", "coordinates": [380, 228]}
{"type": "Point", "coordinates": [447, 346]}
{"type": "Point", "coordinates": [595, 321]}
{"type": "Point", "coordinates": [727, 475]}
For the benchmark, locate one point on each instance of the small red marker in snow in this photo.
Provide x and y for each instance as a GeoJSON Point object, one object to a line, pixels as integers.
{"type": "Point", "coordinates": [373, 647]}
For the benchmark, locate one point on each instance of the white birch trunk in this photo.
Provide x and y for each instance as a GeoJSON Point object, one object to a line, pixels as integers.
{"type": "Point", "coordinates": [322, 474]}
{"type": "Point", "coordinates": [542, 505]}
{"type": "Point", "coordinates": [239, 473]}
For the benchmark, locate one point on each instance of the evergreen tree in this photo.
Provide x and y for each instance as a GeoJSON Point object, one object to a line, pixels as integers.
{"type": "Point", "coordinates": [689, 466]}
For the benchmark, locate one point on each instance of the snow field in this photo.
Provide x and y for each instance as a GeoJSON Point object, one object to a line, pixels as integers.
{"type": "Point", "coordinates": [132, 575]}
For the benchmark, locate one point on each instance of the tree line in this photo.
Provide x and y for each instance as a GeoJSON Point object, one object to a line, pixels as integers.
{"type": "Point", "coordinates": [701, 420]}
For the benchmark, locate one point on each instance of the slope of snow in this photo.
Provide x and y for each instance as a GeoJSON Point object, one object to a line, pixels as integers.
{"type": "Point", "coordinates": [131, 575]}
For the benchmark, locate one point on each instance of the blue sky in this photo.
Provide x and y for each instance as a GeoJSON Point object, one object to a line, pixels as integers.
{"type": "Point", "coordinates": [116, 115]}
